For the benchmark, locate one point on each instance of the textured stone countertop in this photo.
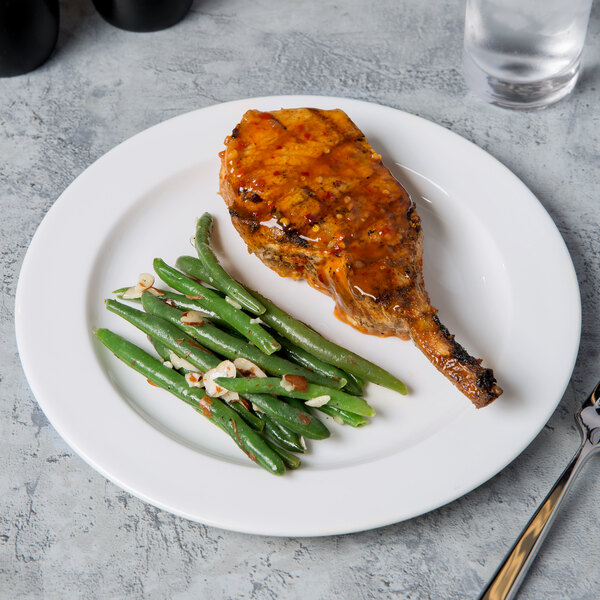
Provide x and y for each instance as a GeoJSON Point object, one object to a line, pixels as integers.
{"type": "Point", "coordinates": [65, 531]}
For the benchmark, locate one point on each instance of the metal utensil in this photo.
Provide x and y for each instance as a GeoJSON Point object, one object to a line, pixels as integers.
{"type": "Point", "coordinates": [509, 576]}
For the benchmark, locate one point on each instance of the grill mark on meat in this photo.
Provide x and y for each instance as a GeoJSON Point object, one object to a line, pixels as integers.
{"type": "Point", "coordinates": [293, 237]}
{"type": "Point", "coordinates": [250, 223]}
{"type": "Point", "coordinates": [309, 192]}
{"type": "Point", "coordinates": [312, 199]}
{"type": "Point", "coordinates": [250, 196]}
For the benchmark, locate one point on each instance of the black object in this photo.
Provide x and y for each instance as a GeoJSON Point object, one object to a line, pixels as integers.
{"type": "Point", "coordinates": [28, 33]}
{"type": "Point", "coordinates": [142, 15]}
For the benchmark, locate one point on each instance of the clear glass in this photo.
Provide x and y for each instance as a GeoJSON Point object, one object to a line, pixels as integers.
{"type": "Point", "coordinates": [524, 54]}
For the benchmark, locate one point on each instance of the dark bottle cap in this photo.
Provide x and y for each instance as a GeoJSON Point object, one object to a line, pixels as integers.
{"type": "Point", "coordinates": [28, 33]}
{"type": "Point", "coordinates": [143, 15]}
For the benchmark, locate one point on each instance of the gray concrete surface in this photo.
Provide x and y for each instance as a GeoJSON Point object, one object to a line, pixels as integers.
{"type": "Point", "coordinates": [65, 532]}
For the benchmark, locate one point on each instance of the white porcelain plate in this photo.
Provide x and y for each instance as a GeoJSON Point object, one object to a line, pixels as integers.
{"type": "Point", "coordinates": [495, 266]}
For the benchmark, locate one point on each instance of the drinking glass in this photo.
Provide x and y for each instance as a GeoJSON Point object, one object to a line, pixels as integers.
{"type": "Point", "coordinates": [524, 54]}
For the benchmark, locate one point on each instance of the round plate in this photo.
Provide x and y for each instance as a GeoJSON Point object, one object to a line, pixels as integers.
{"type": "Point", "coordinates": [492, 259]}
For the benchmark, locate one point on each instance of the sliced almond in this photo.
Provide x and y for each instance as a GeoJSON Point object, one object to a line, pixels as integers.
{"type": "Point", "coordinates": [192, 317]}
{"type": "Point", "coordinates": [194, 380]}
{"type": "Point", "coordinates": [132, 293]}
{"type": "Point", "coordinates": [256, 321]}
{"type": "Point", "coordinates": [223, 369]}
{"type": "Point", "coordinates": [248, 368]}
{"type": "Point", "coordinates": [231, 396]}
{"type": "Point", "coordinates": [318, 401]}
{"type": "Point", "coordinates": [168, 364]}
{"type": "Point", "coordinates": [180, 363]}
{"type": "Point", "coordinates": [145, 280]}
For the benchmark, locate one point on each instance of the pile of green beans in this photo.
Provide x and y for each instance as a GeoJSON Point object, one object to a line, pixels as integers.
{"type": "Point", "coordinates": [251, 442]}
{"type": "Point", "coordinates": [268, 418]}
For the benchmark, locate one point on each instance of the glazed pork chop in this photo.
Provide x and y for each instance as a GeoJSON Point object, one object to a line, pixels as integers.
{"type": "Point", "coordinates": [313, 200]}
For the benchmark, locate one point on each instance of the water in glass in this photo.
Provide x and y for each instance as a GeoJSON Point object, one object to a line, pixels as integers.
{"type": "Point", "coordinates": [524, 53]}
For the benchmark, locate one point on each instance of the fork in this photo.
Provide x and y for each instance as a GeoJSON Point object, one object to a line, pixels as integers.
{"type": "Point", "coordinates": [509, 576]}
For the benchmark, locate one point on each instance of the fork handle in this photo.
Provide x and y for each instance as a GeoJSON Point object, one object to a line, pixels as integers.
{"type": "Point", "coordinates": [507, 579]}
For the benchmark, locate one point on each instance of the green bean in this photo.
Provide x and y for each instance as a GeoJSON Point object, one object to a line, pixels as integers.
{"type": "Point", "coordinates": [299, 405]}
{"type": "Point", "coordinates": [217, 275]}
{"type": "Point", "coordinates": [331, 353]}
{"type": "Point", "coordinates": [282, 435]}
{"type": "Point", "coordinates": [230, 346]}
{"type": "Point", "coordinates": [352, 388]}
{"type": "Point", "coordinates": [256, 447]}
{"type": "Point", "coordinates": [203, 229]}
{"type": "Point", "coordinates": [309, 361]}
{"type": "Point", "coordinates": [298, 421]}
{"type": "Point", "coordinates": [359, 380]}
{"type": "Point", "coordinates": [346, 417]}
{"type": "Point", "coordinates": [119, 294]}
{"type": "Point", "coordinates": [197, 271]}
{"type": "Point", "coordinates": [349, 418]}
{"type": "Point", "coordinates": [238, 319]}
{"type": "Point", "coordinates": [246, 414]}
{"type": "Point", "coordinates": [272, 385]}
{"type": "Point", "coordinates": [356, 383]}
{"type": "Point", "coordinates": [291, 461]}
{"type": "Point", "coordinates": [165, 353]}
{"type": "Point", "coordinates": [184, 303]}
{"type": "Point", "coordinates": [170, 335]}
{"type": "Point", "coordinates": [178, 300]}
